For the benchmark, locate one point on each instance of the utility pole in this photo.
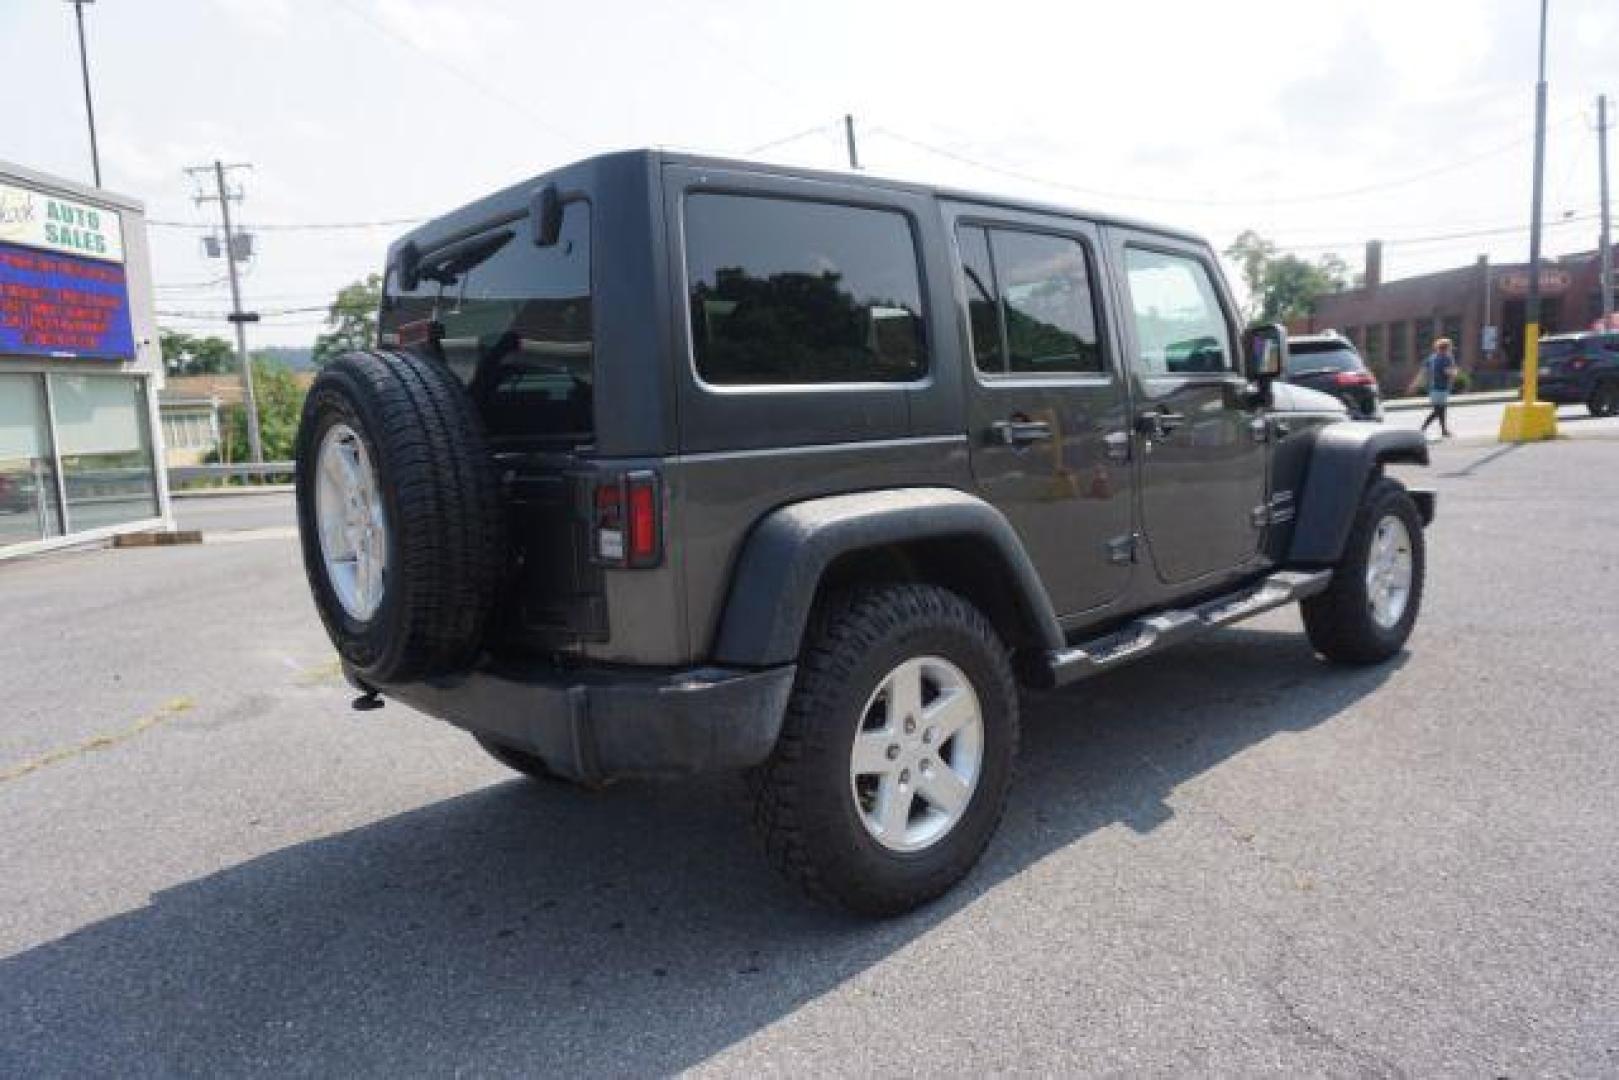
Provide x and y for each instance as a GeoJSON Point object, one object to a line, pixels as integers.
{"type": "Point", "coordinates": [238, 316]}
{"type": "Point", "coordinates": [89, 105]}
{"type": "Point", "coordinates": [1607, 241]}
{"type": "Point", "coordinates": [848, 136]}
{"type": "Point", "coordinates": [1532, 419]}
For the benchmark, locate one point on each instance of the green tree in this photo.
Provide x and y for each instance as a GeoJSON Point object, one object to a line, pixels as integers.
{"type": "Point", "coordinates": [280, 399]}
{"type": "Point", "coordinates": [1282, 287]}
{"type": "Point", "coordinates": [189, 354]}
{"type": "Point", "coordinates": [351, 320]}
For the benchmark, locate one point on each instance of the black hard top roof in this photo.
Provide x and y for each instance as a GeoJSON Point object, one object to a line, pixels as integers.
{"type": "Point", "coordinates": [652, 158]}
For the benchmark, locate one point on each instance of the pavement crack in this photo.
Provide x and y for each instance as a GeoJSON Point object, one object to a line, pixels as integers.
{"type": "Point", "coordinates": [168, 710]}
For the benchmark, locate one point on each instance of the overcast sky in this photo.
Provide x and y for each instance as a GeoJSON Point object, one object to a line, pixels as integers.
{"type": "Point", "coordinates": [1319, 123]}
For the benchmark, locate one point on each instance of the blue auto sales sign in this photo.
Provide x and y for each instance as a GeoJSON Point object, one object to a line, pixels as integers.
{"type": "Point", "coordinates": [63, 306]}
{"type": "Point", "coordinates": [63, 291]}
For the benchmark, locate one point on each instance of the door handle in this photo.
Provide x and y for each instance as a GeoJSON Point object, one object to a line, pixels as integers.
{"type": "Point", "coordinates": [1158, 423]}
{"type": "Point", "coordinates": [1020, 432]}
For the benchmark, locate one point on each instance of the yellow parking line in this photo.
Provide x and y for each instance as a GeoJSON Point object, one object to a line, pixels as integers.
{"type": "Point", "coordinates": [168, 710]}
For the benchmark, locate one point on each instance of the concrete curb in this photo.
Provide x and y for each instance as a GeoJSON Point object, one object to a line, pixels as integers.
{"type": "Point", "coordinates": [1485, 398]}
{"type": "Point", "coordinates": [219, 492]}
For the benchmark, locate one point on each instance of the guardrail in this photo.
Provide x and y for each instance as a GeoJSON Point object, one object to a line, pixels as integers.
{"type": "Point", "coordinates": [182, 477]}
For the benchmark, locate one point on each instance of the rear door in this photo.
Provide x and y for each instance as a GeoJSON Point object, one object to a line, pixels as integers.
{"type": "Point", "coordinates": [1047, 407]}
{"type": "Point", "coordinates": [1200, 441]}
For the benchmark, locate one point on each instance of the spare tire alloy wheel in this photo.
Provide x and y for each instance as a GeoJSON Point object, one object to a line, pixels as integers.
{"type": "Point", "coordinates": [399, 514]}
{"type": "Point", "coordinates": [918, 754]}
{"type": "Point", "coordinates": [352, 523]}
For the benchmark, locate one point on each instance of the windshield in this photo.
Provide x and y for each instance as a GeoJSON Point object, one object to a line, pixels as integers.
{"type": "Point", "coordinates": [513, 321]}
{"type": "Point", "coordinates": [1308, 356]}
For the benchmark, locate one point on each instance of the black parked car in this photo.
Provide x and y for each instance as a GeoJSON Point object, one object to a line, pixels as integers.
{"type": "Point", "coordinates": [1581, 368]}
{"type": "Point", "coordinates": [1329, 362]}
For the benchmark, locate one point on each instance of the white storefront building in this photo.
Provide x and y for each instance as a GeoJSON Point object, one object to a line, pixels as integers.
{"type": "Point", "coordinates": [80, 366]}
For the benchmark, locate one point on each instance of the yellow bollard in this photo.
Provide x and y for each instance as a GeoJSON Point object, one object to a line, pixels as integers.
{"type": "Point", "coordinates": [1530, 420]}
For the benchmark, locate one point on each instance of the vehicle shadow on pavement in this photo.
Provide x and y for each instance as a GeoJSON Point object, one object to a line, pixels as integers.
{"type": "Point", "coordinates": [527, 927]}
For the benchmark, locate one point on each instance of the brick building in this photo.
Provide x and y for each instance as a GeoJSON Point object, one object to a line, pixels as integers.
{"type": "Point", "coordinates": [1394, 323]}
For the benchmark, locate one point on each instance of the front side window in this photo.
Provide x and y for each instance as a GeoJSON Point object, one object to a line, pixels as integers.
{"type": "Point", "coordinates": [1029, 303]}
{"type": "Point", "coordinates": [1180, 327]}
{"type": "Point", "coordinates": [513, 321]}
{"type": "Point", "coordinates": [788, 292]}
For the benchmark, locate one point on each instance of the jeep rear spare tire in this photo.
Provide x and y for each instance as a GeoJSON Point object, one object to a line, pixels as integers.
{"type": "Point", "coordinates": [399, 515]}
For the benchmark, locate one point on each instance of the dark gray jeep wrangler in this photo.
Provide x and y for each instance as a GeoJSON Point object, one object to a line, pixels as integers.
{"type": "Point", "coordinates": [667, 464]}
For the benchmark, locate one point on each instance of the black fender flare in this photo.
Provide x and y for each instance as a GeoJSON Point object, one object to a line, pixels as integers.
{"type": "Point", "coordinates": [1344, 457]}
{"type": "Point", "coordinates": [788, 552]}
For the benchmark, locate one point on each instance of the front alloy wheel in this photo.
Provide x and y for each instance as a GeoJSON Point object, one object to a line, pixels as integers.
{"type": "Point", "coordinates": [1367, 612]}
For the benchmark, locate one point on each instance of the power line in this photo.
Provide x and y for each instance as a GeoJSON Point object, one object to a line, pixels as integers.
{"type": "Point", "coordinates": [1326, 196]}
{"type": "Point", "coordinates": [543, 122]}
{"type": "Point", "coordinates": [794, 137]}
{"type": "Point", "coordinates": [1407, 241]}
{"type": "Point", "coordinates": [297, 226]}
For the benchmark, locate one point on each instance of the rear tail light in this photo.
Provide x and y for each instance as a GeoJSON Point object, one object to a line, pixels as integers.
{"type": "Point", "coordinates": [627, 529]}
{"type": "Point", "coordinates": [1353, 378]}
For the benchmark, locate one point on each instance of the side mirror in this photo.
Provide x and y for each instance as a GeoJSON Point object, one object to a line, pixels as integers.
{"type": "Point", "coordinates": [1264, 350]}
{"type": "Point", "coordinates": [545, 215]}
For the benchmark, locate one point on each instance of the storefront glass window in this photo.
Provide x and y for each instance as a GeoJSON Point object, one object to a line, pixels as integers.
{"type": "Point", "coordinates": [28, 503]}
{"type": "Point", "coordinates": [105, 448]}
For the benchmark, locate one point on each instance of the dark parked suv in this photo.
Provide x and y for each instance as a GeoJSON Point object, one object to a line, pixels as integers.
{"type": "Point", "coordinates": [1580, 369]}
{"type": "Point", "coordinates": [667, 464]}
{"type": "Point", "coordinates": [1328, 362]}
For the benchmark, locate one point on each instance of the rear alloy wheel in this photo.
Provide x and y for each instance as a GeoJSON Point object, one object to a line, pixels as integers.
{"type": "Point", "coordinates": [896, 752]}
{"type": "Point", "coordinates": [1367, 612]}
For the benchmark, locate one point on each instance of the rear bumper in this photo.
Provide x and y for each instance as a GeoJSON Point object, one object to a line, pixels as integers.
{"type": "Point", "coordinates": [598, 724]}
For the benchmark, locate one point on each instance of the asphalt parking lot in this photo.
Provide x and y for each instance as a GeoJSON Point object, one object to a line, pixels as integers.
{"type": "Point", "coordinates": [1233, 859]}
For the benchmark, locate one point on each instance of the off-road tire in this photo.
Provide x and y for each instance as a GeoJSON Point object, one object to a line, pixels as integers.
{"type": "Point", "coordinates": [446, 546]}
{"type": "Point", "coordinates": [1339, 621]}
{"type": "Point", "coordinates": [803, 806]}
{"type": "Point", "coordinates": [1604, 399]}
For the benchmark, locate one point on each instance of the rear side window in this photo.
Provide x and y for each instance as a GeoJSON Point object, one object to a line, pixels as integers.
{"type": "Point", "coordinates": [513, 321]}
{"type": "Point", "coordinates": [788, 292]}
{"type": "Point", "coordinates": [1029, 303]}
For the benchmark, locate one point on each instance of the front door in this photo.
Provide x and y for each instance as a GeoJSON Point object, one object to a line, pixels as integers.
{"type": "Point", "coordinates": [1199, 438]}
{"type": "Point", "coordinates": [1047, 403]}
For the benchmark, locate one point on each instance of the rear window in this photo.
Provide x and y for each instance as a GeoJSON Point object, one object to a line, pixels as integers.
{"type": "Point", "coordinates": [513, 321]}
{"type": "Point", "coordinates": [788, 292]}
{"type": "Point", "coordinates": [1304, 357]}
{"type": "Point", "coordinates": [1553, 349]}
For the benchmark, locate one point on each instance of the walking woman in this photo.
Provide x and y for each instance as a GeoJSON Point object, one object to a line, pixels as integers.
{"type": "Point", "coordinates": [1440, 368]}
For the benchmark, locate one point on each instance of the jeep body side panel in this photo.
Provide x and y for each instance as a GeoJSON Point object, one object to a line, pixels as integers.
{"type": "Point", "coordinates": [782, 565]}
{"type": "Point", "coordinates": [746, 451]}
{"type": "Point", "coordinates": [1201, 447]}
{"type": "Point", "coordinates": [1050, 434]}
{"type": "Point", "coordinates": [1342, 457]}
{"type": "Point", "coordinates": [717, 500]}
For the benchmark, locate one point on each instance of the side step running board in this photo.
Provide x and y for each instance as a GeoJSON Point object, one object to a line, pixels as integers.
{"type": "Point", "coordinates": [1154, 633]}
